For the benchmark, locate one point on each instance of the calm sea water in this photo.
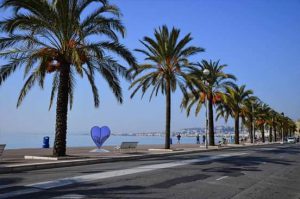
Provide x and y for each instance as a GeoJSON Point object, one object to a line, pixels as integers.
{"type": "Point", "coordinates": [27, 140]}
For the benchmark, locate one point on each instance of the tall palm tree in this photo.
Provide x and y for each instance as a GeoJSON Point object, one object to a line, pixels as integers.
{"type": "Point", "coordinates": [263, 116]}
{"type": "Point", "coordinates": [207, 88]}
{"type": "Point", "coordinates": [275, 125]}
{"type": "Point", "coordinates": [168, 58]}
{"type": "Point", "coordinates": [291, 127]}
{"type": "Point", "coordinates": [272, 125]}
{"type": "Point", "coordinates": [54, 38]}
{"type": "Point", "coordinates": [232, 104]}
{"type": "Point", "coordinates": [248, 114]}
{"type": "Point", "coordinates": [281, 121]}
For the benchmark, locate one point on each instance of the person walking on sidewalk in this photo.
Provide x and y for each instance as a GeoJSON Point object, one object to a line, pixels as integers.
{"type": "Point", "coordinates": [178, 138]}
{"type": "Point", "coordinates": [198, 138]}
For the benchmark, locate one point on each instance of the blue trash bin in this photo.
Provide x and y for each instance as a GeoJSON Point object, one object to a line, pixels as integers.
{"type": "Point", "coordinates": [46, 142]}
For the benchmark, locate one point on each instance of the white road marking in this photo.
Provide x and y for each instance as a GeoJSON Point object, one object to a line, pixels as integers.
{"type": "Point", "coordinates": [266, 149]}
{"type": "Point", "coordinates": [223, 177]}
{"type": "Point", "coordinates": [36, 187]}
{"type": "Point", "coordinates": [70, 196]}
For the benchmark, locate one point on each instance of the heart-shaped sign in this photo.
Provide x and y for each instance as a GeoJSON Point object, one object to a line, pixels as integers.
{"type": "Point", "coordinates": [100, 135]}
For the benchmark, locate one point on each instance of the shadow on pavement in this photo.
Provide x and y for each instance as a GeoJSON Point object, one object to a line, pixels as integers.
{"type": "Point", "coordinates": [8, 181]}
{"type": "Point", "coordinates": [285, 150]}
{"type": "Point", "coordinates": [253, 160]}
{"type": "Point", "coordinates": [89, 191]}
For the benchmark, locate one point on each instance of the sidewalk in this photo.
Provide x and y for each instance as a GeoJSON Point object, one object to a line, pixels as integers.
{"type": "Point", "coordinates": [13, 159]}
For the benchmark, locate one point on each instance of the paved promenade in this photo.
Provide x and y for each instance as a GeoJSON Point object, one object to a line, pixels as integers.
{"type": "Point", "coordinates": [13, 160]}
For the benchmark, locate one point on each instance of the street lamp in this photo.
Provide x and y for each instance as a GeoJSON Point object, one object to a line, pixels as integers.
{"type": "Point", "coordinates": [206, 72]}
{"type": "Point", "coordinates": [282, 129]}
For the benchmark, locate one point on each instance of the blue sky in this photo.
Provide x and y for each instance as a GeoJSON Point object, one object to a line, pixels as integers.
{"type": "Point", "coordinates": [259, 40]}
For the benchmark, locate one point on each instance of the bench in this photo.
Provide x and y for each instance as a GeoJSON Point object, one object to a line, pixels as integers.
{"type": "Point", "coordinates": [127, 145]}
{"type": "Point", "coordinates": [2, 146]}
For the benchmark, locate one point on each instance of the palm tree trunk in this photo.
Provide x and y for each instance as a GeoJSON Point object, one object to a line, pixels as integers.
{"type": "Point", "coordinates": [254, 129]}
{"type": "Point", "coordinates": [236, 129]}
{"type": "Point", "coordinates": [275, 136]}
{"type": "Point", "coordinates": [211, 122]}
{"type": "Point", "coordinates": [251, 129]}
{"type": "Point", "coordinates": [59, 148]}
{"type": "Point", "coordinates": [281, 132]}
{"type": "Point", "coordinates": [271, 134]}
{"type": "Point", "coordinates": [263, 133]}
{"type": "Point", "coordinates": [168, 115]}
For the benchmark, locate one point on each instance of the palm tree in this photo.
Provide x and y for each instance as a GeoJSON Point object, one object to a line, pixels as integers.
{"type": "Point", "coordinates": [53, 38]}
{"type": "Point", "coordinates": [232, 104]}
{"type": "Point", "coordinates": [207, 88]}
{"type": "Point", "coordinates": [263, 116]}
{"type": "Point", "coordinates": [276, 125]}
{"type": "Point", "coordinates": [168, 66]}
{"type": "Point", "coordinates": [248, 114]}
{"type": "Point", "coordinates": [291, 127]}
{"type": "Point", "coordinates": [272, 125]}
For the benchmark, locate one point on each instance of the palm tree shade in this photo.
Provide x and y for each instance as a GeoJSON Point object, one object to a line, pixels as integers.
{"type": "Point", "coordinates": [168, 64]}
{"type": "Point", "coordinates": [53, 38]}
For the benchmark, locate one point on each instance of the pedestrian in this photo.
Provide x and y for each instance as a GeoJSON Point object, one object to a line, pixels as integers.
{"type": "Point", "coordinates": [198, 138]}
{"type": "Point", "coordinates": [178, 138]}
{"type": "Point", "coordinates": [203, 139]}
{"type": "Point", "coordinates": [224, 140]}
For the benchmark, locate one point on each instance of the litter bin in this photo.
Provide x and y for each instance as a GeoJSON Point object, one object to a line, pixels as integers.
{"type": "Point", "coordinates": [46, 142]}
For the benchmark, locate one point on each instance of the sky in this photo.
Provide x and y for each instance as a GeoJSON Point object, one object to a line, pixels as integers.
{"type": "Point", "coordinates": [259, 40]}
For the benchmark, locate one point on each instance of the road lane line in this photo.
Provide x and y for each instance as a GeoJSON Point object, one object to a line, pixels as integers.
{"type": "Point", "coordinates": [69, 196]}
{"type": "Point", "coordinates": [223, 177]}
{"type": "Point", "coordinates": [40, 186]}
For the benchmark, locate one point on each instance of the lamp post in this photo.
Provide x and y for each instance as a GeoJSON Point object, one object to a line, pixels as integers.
{"type": "Point", "coordinates": [282, 129]}
{"type": "Point", "coordinates": [206, 72]}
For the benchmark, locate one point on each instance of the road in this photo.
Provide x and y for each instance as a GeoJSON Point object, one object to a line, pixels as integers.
{"type": "Point", "coordinates": [270, 171]}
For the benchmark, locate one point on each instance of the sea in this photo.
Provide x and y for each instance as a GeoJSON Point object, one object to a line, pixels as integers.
{"type": "Point", "coordinates": [34, 140]}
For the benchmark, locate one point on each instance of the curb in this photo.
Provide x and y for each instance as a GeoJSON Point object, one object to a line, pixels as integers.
{"type": "Point", "coordinates": [87, 161]}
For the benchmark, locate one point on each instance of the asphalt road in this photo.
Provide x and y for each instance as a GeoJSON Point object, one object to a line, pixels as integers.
{"type": "Point", "coordinates": [271, 171]}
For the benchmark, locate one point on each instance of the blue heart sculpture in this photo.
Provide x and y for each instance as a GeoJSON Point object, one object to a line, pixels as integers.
{"type": "Point", "coordinates": [100, 135]}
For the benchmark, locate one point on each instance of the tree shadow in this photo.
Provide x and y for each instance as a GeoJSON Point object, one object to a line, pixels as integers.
{"type": "Point", "coordinates": [238, 164]}
{"type": "Point", "coordinates": [253, 161]}
{"type": "Point", "coordinates": [180, 180]}
{"type": "Point", "coordinates": [231, 171]}
{"type": "Point", "coordinates": [9, 180]}
{"type": "Point", "coordinates": [285, 150]}
{"type": "Point", "coordinates": [124, 191]}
